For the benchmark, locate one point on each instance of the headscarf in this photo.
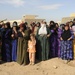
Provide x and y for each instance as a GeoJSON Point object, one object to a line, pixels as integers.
{"type": "Point", "coordinates": [43, 29]}
{"type": "Point", "coordinates": [66, 34]}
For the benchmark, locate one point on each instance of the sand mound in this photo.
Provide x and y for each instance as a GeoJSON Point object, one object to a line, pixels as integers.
{"type": "Point", "coordinates": [51, 67]}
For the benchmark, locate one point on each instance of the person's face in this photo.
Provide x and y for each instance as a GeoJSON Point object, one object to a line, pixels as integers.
{"type": "Point", "coordinates": [70, 23]}
{"type": "Point", "coordinates": [31, 37]}
{"type": "Point", "coordinates": [22, 28]}
{"type": "Point", "coordinates": [57, 25]}
{"type": "Point", "coordinates": [37, 24]}
{"type": "Point", "coordinates": [74, 22]}
{"type": "Point", "coordinates": [51, 24]}
{"type": "Point", "coordinates": [3, 26]}
{"type": "Point", "coordinates": [6, 26]}
{"type": "Point", "coordinates": [14, 28]}
{"type": "Point", "coordinates": [66, 27]}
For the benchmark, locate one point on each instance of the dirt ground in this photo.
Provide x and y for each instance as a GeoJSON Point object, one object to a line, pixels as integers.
{"type": "Point", "coordinates": [51, 67]}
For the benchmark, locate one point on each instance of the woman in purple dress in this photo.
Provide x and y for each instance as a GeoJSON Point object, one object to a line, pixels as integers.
{"type": "Point", "coordinates": [59, 32]}
{"type": "Point", "coordinates": [53, 40]}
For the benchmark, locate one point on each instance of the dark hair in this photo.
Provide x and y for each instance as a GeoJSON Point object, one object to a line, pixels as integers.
{"type": "Point", "coordinates": [71, 21]}
{"type": "Point", "coordinates": [32, 34]}
{"type": "Point", "coordinates": [39, 24]}
{"type": "Point", "coordinates": [67, 25]}
{"type": "Point", "coordinates": [15, 22]}
{"type": "Point", "coordinates": [74, 19]}
{"type": "Point", "coordinates": [26, 23]}
{"type": "Point", "coordinates": [8, 25]}
{"type": "Point", "coordinates": [23, 25]}
{"type": "Point", "coordinates": [0, 26]}
{"type": "Point", "coordinates": [52, 22]}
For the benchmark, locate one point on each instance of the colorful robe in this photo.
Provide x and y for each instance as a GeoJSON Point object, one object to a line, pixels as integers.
{"type": "Point", "coordinates": [59, 35]}
{"type": "Point", "coordinates": [53, 44]}
{"type": "Point", "coordinates": [66, 48]}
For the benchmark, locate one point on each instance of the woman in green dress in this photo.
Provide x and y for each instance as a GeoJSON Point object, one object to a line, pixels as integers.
{"type": "Point", "coordinates": [43, 44]}
{"type": "Point", "coordinates": [23, 37]}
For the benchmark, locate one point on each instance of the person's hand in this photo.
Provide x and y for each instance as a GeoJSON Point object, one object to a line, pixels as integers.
{"type": "Point", "coordinates": [48, 35]}
{"type": "Point", "coordinates": [61, 38]}
{"type": "Point", "coordinates": [20, 30]}
{"type": "Point", "coordinates": [15, 31]}
{"type": "Point", "coordinates": [23, 33]}
{"type": "Point", "coordinates": [28, 50]}
{"type": "Point", "coordinates": [12, 35]}
{"type": "Point", "coordinates": [69, 39]}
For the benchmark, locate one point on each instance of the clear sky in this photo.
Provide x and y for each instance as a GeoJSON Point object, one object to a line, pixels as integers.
{"type": "Point", "coordinates": [47, 9]}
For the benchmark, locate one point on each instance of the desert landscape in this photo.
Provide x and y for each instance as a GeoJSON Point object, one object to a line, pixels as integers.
{"type": "Point", "coordinates": [50, 67]}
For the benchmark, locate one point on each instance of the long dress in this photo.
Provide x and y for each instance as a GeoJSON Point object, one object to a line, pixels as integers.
{"type": "Point", "coordinates": [53, 44]}
{"type": "Point", "coordinates": [67, 48]}
{"type": "Point", "coordinates": [0, 46]}
{"type": "Point", "coordinates": [59, 35]}
{"type": "Point", "coordinates": [22, 56]}
{"type": "Point", "coordinates": [14, 46]}
{"type": "Point", "coordinates": [73, 29]}
{"type": "Point", "coordinates": [6, 45]}
{"type": "Point", "coordinates": [43, 45]}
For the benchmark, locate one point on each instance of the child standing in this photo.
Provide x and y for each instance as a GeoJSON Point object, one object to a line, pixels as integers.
{"type": "Point", "coordinates": [32, 49]}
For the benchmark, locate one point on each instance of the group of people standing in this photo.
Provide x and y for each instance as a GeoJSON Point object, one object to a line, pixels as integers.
{"type": "Point", "coordinates": [42, 42]}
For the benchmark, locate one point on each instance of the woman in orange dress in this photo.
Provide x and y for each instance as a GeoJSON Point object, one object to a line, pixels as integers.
{"type": "Point", "coordinates": [32, 49]}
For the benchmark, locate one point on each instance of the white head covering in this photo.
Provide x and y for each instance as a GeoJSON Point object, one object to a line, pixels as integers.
{"type": "Point", "coordinates": [43, 29]}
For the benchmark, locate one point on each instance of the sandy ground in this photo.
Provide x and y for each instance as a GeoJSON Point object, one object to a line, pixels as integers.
{"type": "Point", "coordinates": [51, 67]}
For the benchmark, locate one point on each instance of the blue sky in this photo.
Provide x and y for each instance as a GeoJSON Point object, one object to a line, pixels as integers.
{"type": "Point", "coordinates": [47, 9]}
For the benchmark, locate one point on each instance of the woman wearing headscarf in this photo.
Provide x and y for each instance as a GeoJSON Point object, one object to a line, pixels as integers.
{"type": "Point", "coordinates": [59, 32]}
{"type": "Point", "coordinates": [0, 45]}
{"type": "Point", "coordinates": [23, 37]}
{"type": "Point", "coordinates": [66, 44]}
{"type": "Point", "coordinates": [14, 41]}
{"type": "Point", "coordinates": [43, 35]}
{"type": "Point", "coordinates": [36, 28]}
{"type": "Point", "coordinates": [6, 43]}
{"type": "Point", "coordinates": [73, 29]}
{"type": "Point", "coordinates": [53, 40]}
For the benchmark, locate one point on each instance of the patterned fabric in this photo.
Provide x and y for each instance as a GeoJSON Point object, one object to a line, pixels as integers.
{"type": "Point", "coordinates": [53, 44]}
{"type": "Point", "coordinates": [66, 50]}
{"type": "Point", "coordinates": [74, 47]}
{"type": "Point", "coordinates": [59, 35]}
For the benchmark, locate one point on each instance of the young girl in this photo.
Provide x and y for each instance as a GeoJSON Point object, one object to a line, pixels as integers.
{"type": "Point", "coordinates": [32, 49]}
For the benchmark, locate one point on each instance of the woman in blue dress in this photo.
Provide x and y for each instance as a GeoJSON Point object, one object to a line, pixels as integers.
{"type": "Point", "coordinates": [66, 44]}
{"type": "Point", "coordinates": [6, 43]}
{"type": "Point", "coordinates": [14, 41]}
